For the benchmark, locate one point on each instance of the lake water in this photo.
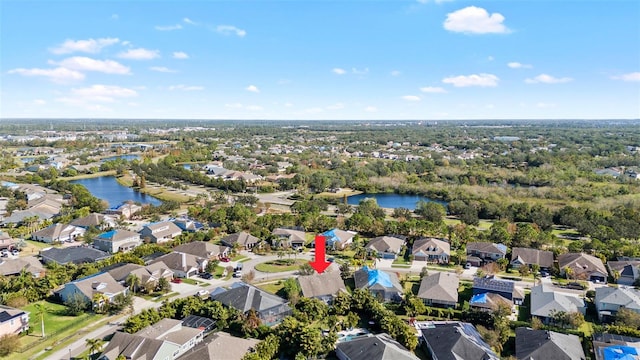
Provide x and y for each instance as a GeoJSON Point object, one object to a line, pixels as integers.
{"type": "Point", "coordinates": [129, 157]}
{"type": "Point", "coordinates": [107, 188]}
{"type": "Point", "coordinates": [392, 200]}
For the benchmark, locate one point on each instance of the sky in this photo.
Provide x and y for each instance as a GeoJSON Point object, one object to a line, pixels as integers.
{"type": "Point", "coordinates": [307, 60]}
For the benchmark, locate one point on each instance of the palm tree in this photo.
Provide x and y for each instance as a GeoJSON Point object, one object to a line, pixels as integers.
{"type": "Point", "coordinates": [133, 281]}
{"type": "Point", "coordinates": [40, 311]}
{"type": "Point", "coordinates": [95, 345]}
{"type": "Point", "coordinates": [99, 301]}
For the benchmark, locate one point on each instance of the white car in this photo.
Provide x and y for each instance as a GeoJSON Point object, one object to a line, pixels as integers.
{"type": "Point", "coordinates": [202, 293]}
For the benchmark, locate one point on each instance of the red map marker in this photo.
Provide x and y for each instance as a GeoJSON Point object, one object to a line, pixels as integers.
{"type": "Point", "coordinates": [320, 264]}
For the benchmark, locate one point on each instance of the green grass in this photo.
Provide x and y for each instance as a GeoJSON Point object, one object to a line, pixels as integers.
{"type": "Point", "coordinates": [272, 287]}
{"type": "Point", "coordinates": [240, 258]}
{"type": "Point", "coordinates": [191, 281]}
{"type": "Point", "coordinates": [278, 266]}
{"type": "Point", "coordinates": [165, 296]}
{"type": "Point", "coordinates": [404, 266]}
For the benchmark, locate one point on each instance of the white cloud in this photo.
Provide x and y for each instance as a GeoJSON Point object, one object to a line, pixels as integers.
{"type": "Point", "coordinates": [483, 80]}
{"type": "Point", "coordinates": [139, 54]}
{"type": "Point", "coordinates": [168, 27]}
{"type": "Point", "coordinates": [58, 75]}
{"type": "Point", "coordinates": [543, 105]}
{"type": "Point", "coordinates": [252, 88]}
{"type": "Point", "coordinates": [185, 87]}
{"type": "Point", "coordinates": [91, 46]}
{"type": "Point", "coordinates": [82, 63]}
{"type": "Point", "coordinates": [339, 71]}
{"type": "Point", "coordinates": [475, 20]}
{"type": "Point", "coordinates": [336, 106]}
{"type": "Point", "coordinates": [103, 93]}
{"type": "Point", "coordinates": [254, 108]}
{"type": "Point", "coordinates": [180, 55]}
{"type": "Point", "coordinates": [189, 21]}
{"type": "Point", "coordinates": [517, 65]}
{"type": "Point", "coordinates": [360, 72]}
{"type": "Point", "coordinates": [433, 90]}
{"type": "Point", "coordinates": [395, 73]}
{"type": "Point", "coordinates": [634, 76]}
{"type": "Point", "coordinates": [162, 69]}
{"type": "Point", "coordinates": [230, 30]}
{"type": "Point", "coordinates": [371, 109]}
{"type": "Point", "coordinates": [548, 79]}
{"type": "Point", "coordinates": [411, 98]}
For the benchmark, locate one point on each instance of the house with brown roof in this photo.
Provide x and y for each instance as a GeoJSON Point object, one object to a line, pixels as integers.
{"type": "Point", "coordinates": [243, 239]}
{"type": "Point", "coordinates": [202, 249]}
{"type": "Point", "coordinates": [6, 241]}
{"type": "Point", "coordinates": [9, 267]}
{"type": "Point", "coordinates": [439, 289]}
{"type": "Point", "coordinates": [117, 240]}
{"type": "Point", "coordinates": [431, 250]}
{"type": "Point", "coordinates": [125, 210]}
{"type": "Point", "coordinates": [87, 287]}
{"type": "Point", "coordinates": [58, 233]}
{"type": "Point", "coordinates": [221, 346]}
{"type": "Point", "coordinates": [583, 266]}
{"type": "Point", "coordinates": [627, 271]}
{"type": "Point", "coordinates": [182, 264]}
{"type": "Point", "coordinates": [148, 275]}
{"type": "Point", "coordinates": [480, 253]}
{"type": "Point", "coordinates": [99, 221]}
{"type": "Point", "coordinates": [289, 238]}
{"type": "Point", "coordinates": [386, 247]}
{"type": "Point", "coordinates": [338, 239]}
{"type": "Point", "coordinates": [323, 286]}
{"type": "Point", "coordinates": [528, 257]}
{"type": "Point", "coordinates": [160, 232]}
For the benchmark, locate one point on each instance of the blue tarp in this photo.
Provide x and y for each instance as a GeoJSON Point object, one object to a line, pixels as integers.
{"type": "Point", "coordinates": [620, 352]}
{"type": "Point", "coordinates": [378, 277]}
{"type": "Point", "coordinates": [479, 299]}
{"type": "Point", "coordinates": [108, 234]}
{"type": "Point", "coordinates": [330, 237]}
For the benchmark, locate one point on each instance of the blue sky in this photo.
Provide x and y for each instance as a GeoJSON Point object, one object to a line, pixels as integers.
{"type": "Point", "coordinates": [427, 59]}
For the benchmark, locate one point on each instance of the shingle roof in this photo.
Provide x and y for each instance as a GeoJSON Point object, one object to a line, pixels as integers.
{"type": "Point", "coordinates": [547, 345]}
{"type": "Point", "coordinates": [489, 301]}
{"type": "Point", "coordinates": [487, 247]}
{"type": "Point", "coordinates": [241, 238]}
{"type": "Point", "coordinates": [102, 283]}
{"type": "Point", "coordinates": [133, 347]}
{"type": "Point", "coordinates": [375, 347]}
{"type": "Point", "coordinates": [93, 219]}
{"type": "Point", "coordinates": [385, 244]}
{"type": "Point", "coordinates": [581, 263]}
{"type": "Point", "coordinates": [622, 296]}
{"type": "Point", "coordinates": [292, 234]}
{"type": "Point", "coordinates": [337, 235]}
{"type": "Point", "coordinates": [440, 286]}
{"type": "Point", "coordinates": [248, 297]}
{"type": "Point", "coordinates": [15, 266]}
{"type": "Point", "coordinates": [221, 346]}
{"type": "Point", "coordinates": [457, 341]}
{"type": "Point", "coordinates": [431, 246]}
{"type": "Point", "coordinates": [544, 301]}
{"type": "Point", "coordinates": [117, 235]}
{"type": "Point", "coordinates": [543, 258]}
{"type": "Point", "coordinates": [201, 249]}
{"type": "Point", "coordinates": [180, 261]}
{"type": "Point", "coordinates": [56, 231]}
{"type": "Point", "coordinates": [327, 283]}
{"type": "Point", "coordinates": [76, 255]}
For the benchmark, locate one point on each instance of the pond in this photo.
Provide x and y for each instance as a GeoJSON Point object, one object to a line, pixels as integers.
{"type": "Point", "coordinates": [393, 200]}
{"type": "Point", "coordinates": [107, 188]}
{"type": "Point", "coordinates": [129, 157]}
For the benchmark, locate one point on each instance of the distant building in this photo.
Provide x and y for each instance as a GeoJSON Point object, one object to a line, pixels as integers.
{"type": "Point", "coordinates": [610, 300]}
{"type": "Point", "coordinates": [202, 249]}
{"type": "Point", "coordinates": [289, 238]}
{"type": "Point", "coordinates": [628, 271]}
{"type": "Point", "coordinates": [485, 252]}
{"type": "Point", "coordinates": [95, 220]}
{"type": "Point", "coordinates": [243, 239]}
{"type": "Point", "coordinates": [270, 309]}
{"type": "Point", "coordinates": [11, 267]}
{"type": "Point", "coordinates": [221, 346]}
{"type": "Point", "coordinates": [338, 239]}
{"type": "Point", "coordinates": [182, 264]}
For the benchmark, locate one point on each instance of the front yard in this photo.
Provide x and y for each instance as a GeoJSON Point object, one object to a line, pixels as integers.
{"type": "Point", "coordinates": [280, 265]}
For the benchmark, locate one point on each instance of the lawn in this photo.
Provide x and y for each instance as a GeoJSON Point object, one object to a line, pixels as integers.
{"type": "Point", "coordinates": [58, 327]}
{"type": "Point", "coordinates": [192, 281]}
{"type": "Point", "coordinates": [272, 287]}
{"type": "Point", "coordinates": [276, 266]}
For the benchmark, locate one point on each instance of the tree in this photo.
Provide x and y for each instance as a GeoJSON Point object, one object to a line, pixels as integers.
{"type": "Point", "coordinates": [95, 345]}
{"type": "Point", "coordinates": [133, 282]}
{"type": "Point", "coordinates": [628, 318]}
{"type": "Point", "coordinates": [431, 211]}
{"type": "Point", "coordinates": [41, 310]}
{"type": "Point", "coordinates": [424, 272]}
{"type": "Point", "coordinates": [100, 302]}
{"type": "Point", "coordinates": [76, 304]}
{"type": "Point", "coordinates": [163, 285]}
{"type": "Point", "coordinates": [9, 343]}
{"type": "Point", "coordinates": [306, 269]}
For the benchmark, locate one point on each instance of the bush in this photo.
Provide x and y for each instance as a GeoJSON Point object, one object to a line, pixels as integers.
{"type": "Point", "coordinates": [8, 344]}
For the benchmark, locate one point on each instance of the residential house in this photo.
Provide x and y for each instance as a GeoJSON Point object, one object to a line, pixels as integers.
{"type": "Point", "coordinates": [289, 238]}
{"type": "Point", "coordinates": [323, 286]}
{"type": "Point", "coordinates": [454, 340]}
{"type": "Point", "coordinates": [547, 345]}
{"type": "Point", "coordinates": [270, 309]}
{"type": "Point", "coordinates": [431, 250]}
{"type": "Point", "coordinates": [439, 289]}
{"type": "Point", "coordinates": [182, 264]}
{"type": "Point", "coordinates": [10, 267]}
{"type": "Point", "coordinates": [13, 321]}
{"type": "Point", "coordinates": [95, 220]}
{"type": "Point", "coordinates": [88, 287]}
{"type": "Point", "coordinates": [583, 266]}
{"type": "Point", "coordinates": [504, 288]}
{"type": "Point", "coordinates": [615, 347]}
{"type": "Point", "coordinates": [373, 347]}
{"type": "Point", "coordinates": [480, 253]}
{"type": "Point", "coordinates": [117, 240]}
{"type": "Point", "coordinates": [188, 225]}
{"type": "Point", "coordinates": [490, 302]}
{"type": "Point", "coordinates": [171, 331]}
{"type": "Point", "coordinates": [627, 271]}
{"type": "Point", "coordinates": [221, 346]}
{"type": "Point", "coordinates": [385, 247]}
{"type": "Point", "coordinates": [160, 232]}
{"type": "Point", "coordinates": [609, 300]}
{"type": "Point", "coordinates": [383, 285]}
{"type": "Point", "coordinates": [6, 241]}
{"type": "Point", "coordinates": [244, 240]}
{"type": "Point", "coordinates": [205, 250]}
{"type": "Point", "coordinates": [338, 239]}
{"type": "Point", "coordinates": [72, 255]}
{"type": "Point", "coordinates": [199, 322]}
{"type": "Point", "coordinates": [148, 275]}
{"type": "Point", "coordinates": [526, 256]}
{"type": "Point", "coordinates": [545, 302]}
{"type": "Point", "coordinates": [58, 233]}
{"type": "Point", "coordinates": [125, 210]}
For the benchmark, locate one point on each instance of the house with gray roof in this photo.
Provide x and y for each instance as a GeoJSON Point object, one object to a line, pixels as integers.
{"type": "Point", "coordinates": [324, 286]}
{"type": "Point", "coordinates": [439, 289]}
{"type": "Point", "coordinates": [528, 257]}
{"type": "Point", "coordinates": [148, 275]}
{"type": "Point", "coordinates": [453, 341]}
{"type": "Point", "coordinates": [117, 240]}
{"type": "Point", "coordinates": [338, 239]}
{"type": "Point", "coordinates": [13, 321]}
{"type": "Point", "coordinates": [182, 264]}
{"type": "Point", "coordinates": [72, 255]}
{"type": "Point", "coordinates": [381, 284]}
{"type": "Point", "coordinates": [87, 287]}
{"type": "Point", "coordinates": [271, 309]}
{"type": "Point", "coordinates": [243, 239]}
{"type": "Point", "coordinates": [95, 220]}
{"type": "Point", "coordinates": [609, 300]}
{"type": "Point", "coordinates": [6, 241]}
{"type": "Point", "coordinates": [203, 249]}
{"type": "Point", "coordinates": [485, 252]}
{"type": "Point", "coordinates": [504, 288]}
{"type": "Point", "coordinates": [289, 238]}
{"type": "Point", "coordinates": [10, 267]}
{"type": "Point", "coordinates": [545, 302]}
{"type": "Point", "coordinates": [160, 232]}
{"type": "Point", "coordinates": [221, 346]}
{"type": "Point", "coordinates": [386, 247]}
{"type": "Point", "coordinates": [627, 271]}
{"type": "Point", "coordinates": [547, 345]}
{"type": "Point", "coordinates": [583, 266]}
{"type": "Point", "coordinates": [172, 331]}
{"type": "Point", "coordinates": [431, 250]}
{"type": "Point", "coordinates": [373, 347]}
{"type": "Point", "coordinates": [58, 233]}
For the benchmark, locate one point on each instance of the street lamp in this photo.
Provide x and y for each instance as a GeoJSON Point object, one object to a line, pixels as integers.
{"type": "Point", "coordinates": [69, 353]}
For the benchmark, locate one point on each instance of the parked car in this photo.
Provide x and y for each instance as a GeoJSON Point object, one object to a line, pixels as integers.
{"type": "Point", "coordinates": [176, 280]}
{"type": "Point", "coordinates": [225, 259]}
{"type": "Point", "coordinates": [202, 293]}
{"type": "Point", "coordinates": [205, 275]}
{"type": "Point", "coordinates": [237, 274]}
{"type": "Point", "coordinates": [5, 252]}
{"type": "Point", "coordinates": [239, 266]}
